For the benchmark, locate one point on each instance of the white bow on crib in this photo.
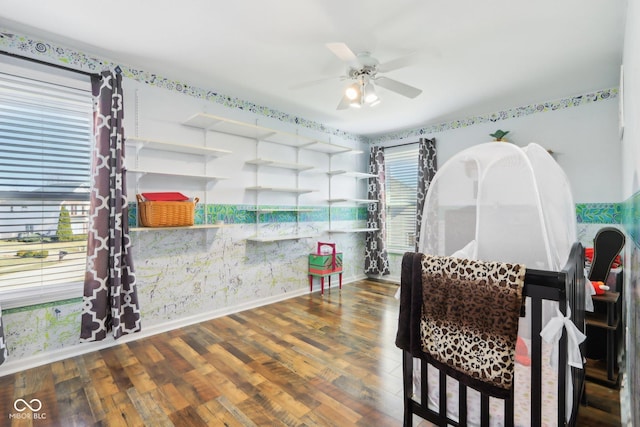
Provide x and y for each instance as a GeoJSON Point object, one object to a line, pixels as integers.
{"type": "Point", "coordinates": [552, 333]}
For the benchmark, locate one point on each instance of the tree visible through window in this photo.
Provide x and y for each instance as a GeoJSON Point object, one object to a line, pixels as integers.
{"type": "Point", "coordinates": [401, 166]}
{"type": "Point", "coordinates": [45, 148]}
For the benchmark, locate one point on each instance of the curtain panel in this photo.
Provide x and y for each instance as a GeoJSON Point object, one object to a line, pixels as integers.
{"type": "Point", "coordinates": [427, 167]}
{"type": "Point", "coordinates": [376, 259]}
{"type": "Point", "coordinates": [110, 295]}
{"type": "Point", "coordinates": [3, 346]}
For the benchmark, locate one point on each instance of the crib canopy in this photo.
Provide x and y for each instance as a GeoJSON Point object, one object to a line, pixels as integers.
{"type": "Point", "coordinates": [500, 202]}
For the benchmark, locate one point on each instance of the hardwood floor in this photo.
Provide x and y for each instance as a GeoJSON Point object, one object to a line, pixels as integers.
{"type": "Point", "coordinates": [602, 408]}
{"type": "Point", "coordinates": [309, 361]}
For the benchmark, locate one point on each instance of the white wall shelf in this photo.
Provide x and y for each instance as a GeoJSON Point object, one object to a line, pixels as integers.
{"type": "Point", "coordinates": [269, 210]}
{"type": "Point", "coordinates": [186, 227]}
{"type": "Point", "coordinates": [278, 164]}
{"type": "Point", "coordinates": [261, 133]}
{"type": "Point", "coordinates": [141, 143]}
{"type": "Point", "coordinates": [329, 148]}
{"type": "Point", "coordinates": [223, 125]}
{"type": "Point", "coordinates": [357, 201]}
{"type": "Point", "coordinates": [202, 177]}
{"type": "Point", "coordinates": [353, 230]}
{"type": "Point", "coordinates": [264, 239]}
{"type": "Point", "coordinates": [281, 189]}
{"type": "Point", "coordinates": [357, 175]}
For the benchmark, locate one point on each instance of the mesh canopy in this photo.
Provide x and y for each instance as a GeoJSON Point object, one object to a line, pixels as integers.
{"type": "Point", "coordinates": [500, 202]}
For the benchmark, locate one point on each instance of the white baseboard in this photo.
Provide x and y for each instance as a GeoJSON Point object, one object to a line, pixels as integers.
{"type": "Point", "coordinates": [13, 365]}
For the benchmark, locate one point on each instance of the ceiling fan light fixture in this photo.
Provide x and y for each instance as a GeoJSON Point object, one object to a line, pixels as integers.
{"type": "Point", "coordinates": [364, 69]}
{"type": "Point", "coordinates": [370, 95]}
{"type": "Point", "coordinates": [352, 92]}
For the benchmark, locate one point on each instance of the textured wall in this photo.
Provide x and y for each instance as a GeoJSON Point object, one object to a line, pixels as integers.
{"type": "Point", "coordinates": [185, 273]}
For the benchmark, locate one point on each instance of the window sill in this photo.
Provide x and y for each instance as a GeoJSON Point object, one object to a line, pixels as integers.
{"type": "Point", "coordinates": [24, 297]}
{"type": "Point", "coordinates": [399, 251]}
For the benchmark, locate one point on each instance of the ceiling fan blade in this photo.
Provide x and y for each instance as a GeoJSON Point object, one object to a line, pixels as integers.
{"type": "Point", "coordinates": [397, 63]}
{"type": "Point", "coordinates": [344, 103]}
{"type": "Point", "coordinates": [343, 52]}
{"type": "Point", "coordinates": [398, 87]}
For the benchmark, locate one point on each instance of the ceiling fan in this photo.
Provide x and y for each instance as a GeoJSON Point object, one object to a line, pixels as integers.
{"type": "Point", "coordinates": [364, 70]}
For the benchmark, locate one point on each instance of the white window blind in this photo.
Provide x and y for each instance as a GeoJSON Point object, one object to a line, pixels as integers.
{"type": "Point", "coordinates": [401, 167]}
{"type": "Point", "coordinates": [45, 149]}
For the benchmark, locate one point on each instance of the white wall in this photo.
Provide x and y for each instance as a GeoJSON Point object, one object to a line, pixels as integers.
{"type": "Point", "coordinates": [585, 141]}
{"type": "Point", "coordinates": [584, 138]}
{"type": "Point", "coordinates": [631, 191]}
{"type": "Point", "coordinates": [631, 140]}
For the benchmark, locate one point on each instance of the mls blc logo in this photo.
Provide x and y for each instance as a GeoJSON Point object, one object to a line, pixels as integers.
{"type": "Point", "coordinates": [21, 405]}
{"type": "Point", "coordinates": [34, 406]}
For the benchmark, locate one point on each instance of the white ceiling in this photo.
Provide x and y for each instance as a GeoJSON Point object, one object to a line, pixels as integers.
{"type": "Point", "coordinates": [470, 56]}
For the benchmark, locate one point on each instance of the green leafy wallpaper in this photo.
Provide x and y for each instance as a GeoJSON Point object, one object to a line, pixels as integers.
{"type": "Point", "coordinates": [247, 214]}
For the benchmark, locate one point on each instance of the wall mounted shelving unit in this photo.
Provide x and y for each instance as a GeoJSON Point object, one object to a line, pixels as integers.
{"type": "Point", "coordinates": [332, 201]}
{"type": "Point", "coordinates": [263, 134]}
{"type": "Point", "coordinates": [203, 152]}
{"type": "Point", "coordinates": [260, 164]}
{"type": "Point", "coordinates": [260, 134]}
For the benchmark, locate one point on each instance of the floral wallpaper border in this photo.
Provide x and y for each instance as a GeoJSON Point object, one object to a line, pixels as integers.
{"type": "Point", "coordinates": [510, 113]}
{"type": "Point", "coordinates": [49, 52]}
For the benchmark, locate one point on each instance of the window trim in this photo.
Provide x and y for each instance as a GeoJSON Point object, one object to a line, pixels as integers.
{"type": "Point", "coordinates": [36, 295]}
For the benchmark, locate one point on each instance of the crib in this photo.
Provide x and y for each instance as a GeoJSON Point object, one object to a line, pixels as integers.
{"type": "Point", "coordinates": [471, 407]}
{"type": "Point", "coordinates": [497, 202]}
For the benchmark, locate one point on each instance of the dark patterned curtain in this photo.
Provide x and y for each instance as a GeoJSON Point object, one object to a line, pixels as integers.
{"type": "Point", "coordinates": [427, 167]}
{"type": "Point", "coordinates": [375, 258]}
{"type": "Point", "coordinates": [3, 345]}
{"type": "Point", "coordinates": [110, 297]}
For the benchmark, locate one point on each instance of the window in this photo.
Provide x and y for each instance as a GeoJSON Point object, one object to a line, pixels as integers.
{"type": "Point", "coordinates": [401, 168]}
{"type": "Point", "coordinates": [45, 150]}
